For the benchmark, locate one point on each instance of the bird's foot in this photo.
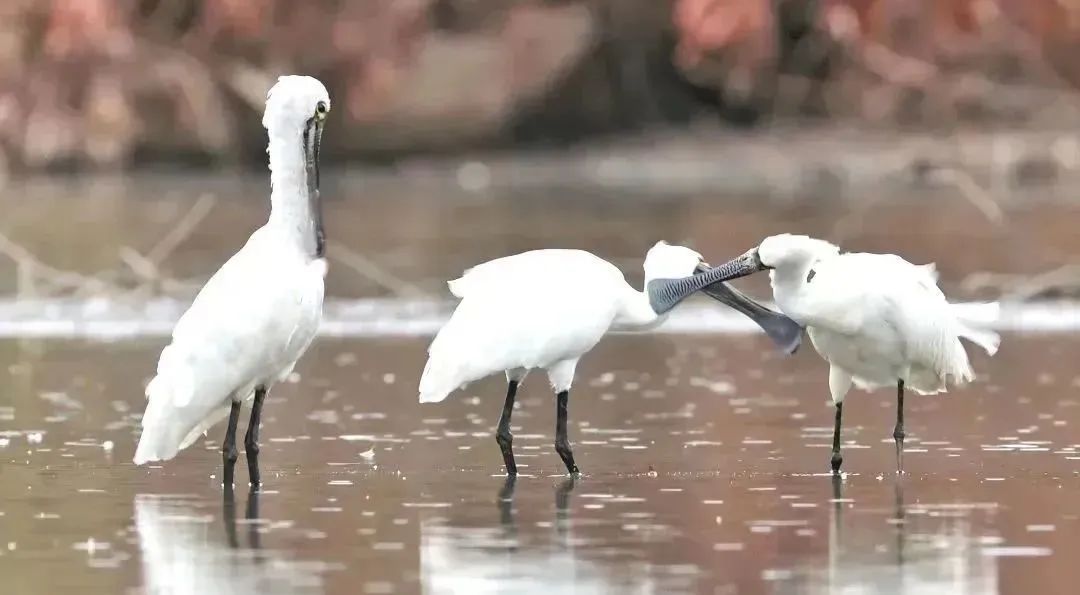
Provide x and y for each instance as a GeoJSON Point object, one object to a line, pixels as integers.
{"type": "Point", "coordinates": [836, 461]}
{"type": "Point", "coordinates": [254, 476]}
{"type": "Point", "coordinates": [506, 446]}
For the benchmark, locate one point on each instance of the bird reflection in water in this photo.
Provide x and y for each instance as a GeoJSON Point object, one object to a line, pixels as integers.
{"type": "Point", "coordinates": [251, 513]}
{"type": "Point", "coordinates": [562, 505]}
{"type": "Point", "coordinates": [943, 558]}
{"type": "Point", "coordinates": [180, 554]}
{"type": "Point", "coordinates": [506, 511]}
{"type": "Point", "coordinates": [512, 556]}
{"type": "Point", "coordinates": [838, 558]}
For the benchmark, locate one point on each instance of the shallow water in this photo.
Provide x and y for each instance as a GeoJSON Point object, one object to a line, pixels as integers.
{"type": "Point", "coordinates": [405, 236]}
{"type": "Point", "coordinates": [703, 454]}
{"type": "Point", "coordinates": [703, 461]}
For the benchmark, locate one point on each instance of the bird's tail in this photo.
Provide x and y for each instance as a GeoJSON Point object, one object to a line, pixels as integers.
{"type": "Point", "coordinates": [164, 427]}
{"type": "Point", "coordinates": [971, 317]}
{"type": "Point", "coordinates": [451, 365]}
{"type": "Point", "coordinates": [437, 381]}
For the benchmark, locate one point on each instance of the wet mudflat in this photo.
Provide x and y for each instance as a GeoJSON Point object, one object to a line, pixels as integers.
{"type": "Point", "coordinates": [703, 460]}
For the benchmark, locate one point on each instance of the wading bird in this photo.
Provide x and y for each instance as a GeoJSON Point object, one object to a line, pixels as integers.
{"type": "Point", "coordinates": [547, 308]}
{"type": "Point", "coordinates": [876, 318]}
{"type": "Point", "coordinates": [257, 315]}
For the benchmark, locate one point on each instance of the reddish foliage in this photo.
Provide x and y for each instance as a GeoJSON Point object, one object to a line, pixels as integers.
{"type": "Point", "coordinates": [916, 57]}
{"type": "Point", "coordinates": [246, 19]}
{"type": "Point", "coordinates": [96, 80]}
{"type": "Point", "coordinates": [86, 27]}
{"type": "Point", "coordinates": [705, 26]}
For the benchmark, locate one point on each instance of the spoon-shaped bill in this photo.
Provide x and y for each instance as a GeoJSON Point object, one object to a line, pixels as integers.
{"type": "Point", "coordinates": [665, 294]}
{"type": "Point", "coordinates": [784, 332]}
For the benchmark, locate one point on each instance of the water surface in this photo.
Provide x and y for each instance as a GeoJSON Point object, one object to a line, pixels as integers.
{"type": "Point", "coordinates": [703, 460]}
{"type": "Point", "coordinates": [704, 453]}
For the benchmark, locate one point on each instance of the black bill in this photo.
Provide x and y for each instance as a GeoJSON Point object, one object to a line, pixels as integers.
{"type": "Point", "coordinates": [312, 141]}
{"type": "Point", "coordinates": [665, 294]}
{"type": "Point", "coordinates": [784, 332]}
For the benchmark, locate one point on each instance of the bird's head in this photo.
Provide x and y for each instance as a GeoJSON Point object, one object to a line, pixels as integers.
{"type": "Point", "coordinates": [666, 261]}
{"type": "Point", "coordinates": [776, 252]}
{"type": "Point", "coordinates": [295, 103]}
{"type": "Point", "coordinates": [787, 250]}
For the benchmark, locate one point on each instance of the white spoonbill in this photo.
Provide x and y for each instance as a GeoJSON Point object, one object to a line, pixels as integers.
{"type": "Point", "coordinates": [257, 315]}
{"type": "Point", "coordinates": [547, 308]}
{"type": "Point", "coordinates": [876, 318]}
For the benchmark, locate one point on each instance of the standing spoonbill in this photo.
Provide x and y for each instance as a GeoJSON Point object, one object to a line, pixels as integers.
{"type": "Point", "coordinates": [547, 308]}
{"type": "Point", "coordinates": [876, 318]}
{"type": "Point", "coordinates": [257, 315]}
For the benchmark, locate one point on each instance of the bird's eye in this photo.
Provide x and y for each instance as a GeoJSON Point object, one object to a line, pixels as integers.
{"type": "Point", "coordinates": [321, 107]}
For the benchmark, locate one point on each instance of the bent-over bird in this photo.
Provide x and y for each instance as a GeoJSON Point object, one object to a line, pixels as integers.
{"type": "Point", "coordinates": [876, 318]}
{"type": "Point", "coordinates": [257, 315]}
{"type": "Point", "coordinates": [547, 308]}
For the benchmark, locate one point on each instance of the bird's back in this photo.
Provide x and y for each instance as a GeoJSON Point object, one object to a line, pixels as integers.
{"type": "Point", "coordinates": [893, 319]}
{"type": "Point", "coordinates": [247, 326]}
{"type": "Point", "coordinates": [524, 311]}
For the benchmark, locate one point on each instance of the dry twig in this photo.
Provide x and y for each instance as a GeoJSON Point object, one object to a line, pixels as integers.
{"type": "Point", "coordinates": [372, 272]}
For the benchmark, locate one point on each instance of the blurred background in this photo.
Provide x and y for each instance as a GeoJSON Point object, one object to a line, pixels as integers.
{"type": "Point", "coordinates": [118, 84]}
{"type": "Point", "coordinates": [132, 165]}
{"type": "Point", "coordinates": [133, 156]}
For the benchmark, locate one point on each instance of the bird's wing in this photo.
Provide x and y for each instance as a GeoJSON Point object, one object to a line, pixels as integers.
{"type": "Point", "coordinates": [835, 298]}
{"type": "Point", "coordinates": [237, 322]}
{"type": "Point", "coordinates": [523, 311]}
{"type": "Point", "coordinates": [909, 301]}
{"type": "Point", "coordinates": [237, 328]}
{"type": "Point", "coordinates": [850, 290]}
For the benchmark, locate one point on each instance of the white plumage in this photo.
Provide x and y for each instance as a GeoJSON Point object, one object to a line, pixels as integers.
{"type": "Point", "coordinates": [545, 309]}
{"type": "Point", "coordinates": [876, 318]}
{"type": "Point", "coordinates": [540, 309]}
{"type": "Point", "coordinates": [257, 315]}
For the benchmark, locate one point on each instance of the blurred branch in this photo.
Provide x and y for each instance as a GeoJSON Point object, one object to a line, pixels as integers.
{"type": "Point", "coordinates": [37, 279]}
{"type": "Point", "coordinates": [32, 272]}
{"type": "Point", "coordinates": [183, 228]}
{"type": "Point", "coordinates": [372, 272]}
{"type": "Point", "coordinates": [971, 191]}
{"type": "Point", "coordinates": [1062, 281]}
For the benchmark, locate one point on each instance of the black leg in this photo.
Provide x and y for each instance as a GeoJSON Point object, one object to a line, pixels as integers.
{"type": "Point", "coordinates": [898, 431]}
{"type": "Point", "coordinates": [503, 435]}
{"type": "Point", "coordinates": [251, 439]}
{"type": "Point", "coordinates": [228, 448]}
{"type": "Point", "coordinates": [562, 443]}
{"type": "Point", "coordinates": [837, 458]}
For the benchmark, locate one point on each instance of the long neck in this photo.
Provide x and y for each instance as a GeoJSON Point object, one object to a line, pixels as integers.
{"type": "Point", "coordinates": [294, 202]}
{"type": "Point", "coordinates": [636, 312]}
